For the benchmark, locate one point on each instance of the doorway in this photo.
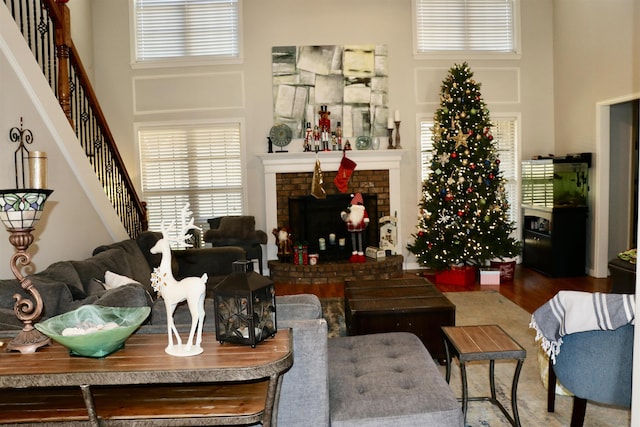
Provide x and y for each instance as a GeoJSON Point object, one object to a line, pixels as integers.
{"type": "Point", "coordinates": [616, 181]}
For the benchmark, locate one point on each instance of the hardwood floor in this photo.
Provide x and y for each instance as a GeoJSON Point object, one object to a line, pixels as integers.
{"type": "Point", "coordinates": [531, 289]}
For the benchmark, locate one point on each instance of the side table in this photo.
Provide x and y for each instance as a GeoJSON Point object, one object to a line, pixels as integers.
{"type": "Point", "coordinates": [487, 342]}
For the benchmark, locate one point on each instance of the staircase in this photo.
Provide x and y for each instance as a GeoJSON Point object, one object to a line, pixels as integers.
{"type": "Point", "coordinates": [45, 25]}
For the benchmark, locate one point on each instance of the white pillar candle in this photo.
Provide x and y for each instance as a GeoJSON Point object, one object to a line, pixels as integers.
{"type": "Point", "coordinates": [332, 239]}
{"type": "Point", "coordinates": [397, 115]}
{"type": "Point", "coordinates": [390, 123]}
{"type": "Point", "coordinates": [322, 244]}
{"type": "Point", "coordinates": [38, 169]}
{"type": "Point", "coordinates": [342, 242]}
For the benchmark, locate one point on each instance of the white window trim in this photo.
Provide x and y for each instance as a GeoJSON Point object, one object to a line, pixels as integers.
{"type": "Point", "coordinates": [176, 123]}
{"type": "Point", "coordinates": [467, 55]}
{"type": "Point", "coordinates": [183, 61]}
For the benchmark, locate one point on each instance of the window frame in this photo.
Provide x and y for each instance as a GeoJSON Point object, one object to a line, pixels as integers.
{"type": "Point", "coordinates": [468, 54]}
{"type": "Point", "coordinates": [201, 222]}
{"type": "Point", "coordinates": [182, 61]}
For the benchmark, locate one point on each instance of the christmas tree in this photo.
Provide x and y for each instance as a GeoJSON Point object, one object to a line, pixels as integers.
{"type": "Point", "coordinates": [464, 209]}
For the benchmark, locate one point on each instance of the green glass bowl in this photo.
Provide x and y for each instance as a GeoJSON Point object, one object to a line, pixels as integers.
{"type": "Point", "coordinates": [101, 342]}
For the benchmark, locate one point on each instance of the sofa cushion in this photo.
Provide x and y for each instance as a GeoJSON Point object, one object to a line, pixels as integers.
{"type": "Point", "coordinates": [304, 397]}
{"type": "Point", "coordinates": [114, 259]}
{"type": "Point", "coordinates": [138, 263]}
{"type": "Point", "coordinates": [113, 280]}
{"type": "Point", "coordinates": [129, 295]}
{"type": "Point", "coordinates": [56, 296]}
{"type": "Point", "coordinates": [64, 271]}
{"type": "Point", "coordinates": [297, 307]}
{"type": "Point", "coordinates": [388, 380]}
{"type": "Point", "coordinates": [9, 321]}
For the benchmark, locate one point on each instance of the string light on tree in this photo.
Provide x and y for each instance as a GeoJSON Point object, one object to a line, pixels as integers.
{"type": "Point", "coordinates": [464, 211]}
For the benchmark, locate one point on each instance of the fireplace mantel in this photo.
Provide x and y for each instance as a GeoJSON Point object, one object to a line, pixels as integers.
{"type": "Point", "coordinates": [274, 163]}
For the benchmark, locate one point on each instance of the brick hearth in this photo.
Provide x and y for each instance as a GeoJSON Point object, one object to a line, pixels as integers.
{"type": "Point", "coordinates": [326, 280]}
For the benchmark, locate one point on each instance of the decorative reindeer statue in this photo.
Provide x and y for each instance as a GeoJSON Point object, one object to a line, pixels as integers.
{"type": "Point", "coordinates": [173, 291]}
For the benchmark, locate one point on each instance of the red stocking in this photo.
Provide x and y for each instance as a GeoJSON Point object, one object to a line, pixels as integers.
{"type": "Point", "coordinates": [344, 173]}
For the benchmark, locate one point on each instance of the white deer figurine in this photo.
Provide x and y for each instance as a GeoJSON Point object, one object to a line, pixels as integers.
{"type": "Point", "coordinates": [174, 292]}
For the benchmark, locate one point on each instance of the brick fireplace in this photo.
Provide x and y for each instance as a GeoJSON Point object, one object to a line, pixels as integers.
{"type": "Point", "coordinates": [290, 174]}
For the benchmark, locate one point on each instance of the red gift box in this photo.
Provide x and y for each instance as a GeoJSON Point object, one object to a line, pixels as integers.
{"type": "Point", "coordinates": [463, 276]}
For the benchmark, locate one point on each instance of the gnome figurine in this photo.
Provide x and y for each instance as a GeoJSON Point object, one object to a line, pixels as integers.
{"type": "Point", "coordinates": [357, 220]}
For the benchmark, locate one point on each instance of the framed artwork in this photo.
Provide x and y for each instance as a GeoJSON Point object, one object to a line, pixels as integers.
{"type": "Point", "coordinates": [349, 82]}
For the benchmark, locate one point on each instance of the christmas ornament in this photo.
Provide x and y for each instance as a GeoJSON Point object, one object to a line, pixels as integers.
{"type": "Point", "coordinates": [317, 189]}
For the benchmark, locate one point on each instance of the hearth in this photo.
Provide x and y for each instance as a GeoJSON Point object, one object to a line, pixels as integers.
{"type": "Point", "coordinates": [312, 219]}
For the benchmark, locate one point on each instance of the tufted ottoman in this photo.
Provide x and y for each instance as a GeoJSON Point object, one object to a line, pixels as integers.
{"type": "Point", "coordinates": [387, 379]}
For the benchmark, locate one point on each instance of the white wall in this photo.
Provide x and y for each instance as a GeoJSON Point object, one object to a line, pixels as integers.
{"type": "Point", "coordinates": [413, 85]}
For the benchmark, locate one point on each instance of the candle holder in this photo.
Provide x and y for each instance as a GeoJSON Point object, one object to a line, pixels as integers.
{"type": "Point", "coordinates": [390, 146]}
{"type": "Point", "coordinates": [19, 210]}
{"type": "Point", "coordinates": [398, 146]}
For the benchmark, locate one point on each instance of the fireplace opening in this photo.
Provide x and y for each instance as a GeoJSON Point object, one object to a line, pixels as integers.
{"type": "Point", "coordinates": [312, 219]}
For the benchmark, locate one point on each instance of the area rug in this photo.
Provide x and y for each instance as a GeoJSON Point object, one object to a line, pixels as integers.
{"type": "Point", "coordinates": [478, 308]}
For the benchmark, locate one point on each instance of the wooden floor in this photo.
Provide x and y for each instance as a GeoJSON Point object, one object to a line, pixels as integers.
{"type": "Point", "coordinates": [531, 289]}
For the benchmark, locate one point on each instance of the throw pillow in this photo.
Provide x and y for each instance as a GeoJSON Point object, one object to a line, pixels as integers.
{"type": "Point", "coordinates": [113, 280]}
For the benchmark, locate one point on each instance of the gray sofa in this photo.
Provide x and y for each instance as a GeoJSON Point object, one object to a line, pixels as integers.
{"type": "Point", "coordinates": [367, 381]}
{"type": "Point", "coordinates": [66, 285]}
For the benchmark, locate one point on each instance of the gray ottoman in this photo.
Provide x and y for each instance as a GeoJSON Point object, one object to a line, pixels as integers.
{"type": "Point", "coordinates": [388, 379]}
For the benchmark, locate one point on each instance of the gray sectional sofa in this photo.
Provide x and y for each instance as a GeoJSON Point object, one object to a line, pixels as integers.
{"type": "Point", "coordinates": [361, 381]}
{"type": "Point", "coordinates": [66, 285]}
{"type": "Point", "coordinates": [372, 380]}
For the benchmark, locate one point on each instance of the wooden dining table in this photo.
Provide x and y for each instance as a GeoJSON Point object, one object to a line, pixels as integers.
{"type": "Point", "coordinates": [227, 384]}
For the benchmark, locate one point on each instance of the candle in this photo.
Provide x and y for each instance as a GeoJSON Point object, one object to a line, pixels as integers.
{"type": "Point", "coordinates": [342, 242]}
{"type": "Point", "coordinates": [332, 239]}
{"type": "Point", "coordinates": [322, 244]}
{"type": "Point", "coordinates": [397, 115]}
{"type": "Point", "coordinates": [390, 123]}
{"type": "Point", "coordinates": [38, 169]}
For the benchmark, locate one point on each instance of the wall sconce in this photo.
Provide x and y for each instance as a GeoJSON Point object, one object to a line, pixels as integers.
{"type": "Point", "coordinates": [20, 209]}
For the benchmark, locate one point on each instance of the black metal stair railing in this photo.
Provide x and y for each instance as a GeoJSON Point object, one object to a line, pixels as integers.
{"type": "Point", "coordinates": [45, 26]}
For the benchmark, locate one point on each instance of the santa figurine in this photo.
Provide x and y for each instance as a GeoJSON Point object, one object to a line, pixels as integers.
{"type": "Point", "coordinates": [357, 220]}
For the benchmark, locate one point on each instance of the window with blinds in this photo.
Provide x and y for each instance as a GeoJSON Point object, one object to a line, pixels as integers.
{"type": "Point", "coordinates": [505, 136]}
{"type": "Point", "coordinates": [195, 163]}
{"type": "Point", "coordinates": [186, 29]}
{"type": "Point", "coordinates": [445, 26]}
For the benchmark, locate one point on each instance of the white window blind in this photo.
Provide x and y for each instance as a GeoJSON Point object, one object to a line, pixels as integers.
{"type": "Point", "coordinates": [167, 29]}
{"type": "Point", "coordinates": [465, 26]}
{"type": "Point", "coordinates": [504, 133]}
{"type": "Point", "coordinates": [199, 164]}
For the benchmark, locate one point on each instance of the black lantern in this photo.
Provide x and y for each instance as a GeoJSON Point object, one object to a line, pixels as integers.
{"type": "Point", "coordinates": [245, 306]}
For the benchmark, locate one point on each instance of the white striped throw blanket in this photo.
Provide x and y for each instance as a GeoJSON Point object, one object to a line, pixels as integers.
{"type": "Point", "coordinates": [573, 311]}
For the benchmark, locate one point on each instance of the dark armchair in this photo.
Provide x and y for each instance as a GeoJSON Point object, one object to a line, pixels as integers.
{"type": "Point", "coordinates": [237, 231]}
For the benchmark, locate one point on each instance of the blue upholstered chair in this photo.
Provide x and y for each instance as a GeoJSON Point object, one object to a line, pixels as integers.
{"type": "Point", "coordinates": [596, 366]}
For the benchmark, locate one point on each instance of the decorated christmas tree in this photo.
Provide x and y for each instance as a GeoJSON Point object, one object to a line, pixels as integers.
{"type": "Point", "coordinates": [464, 210]}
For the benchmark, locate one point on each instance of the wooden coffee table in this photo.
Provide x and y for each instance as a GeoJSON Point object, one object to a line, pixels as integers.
{"type": "Point", "coordinates": [142, 385]}
{"type": "Point", "coordinates": [487, 342]}
{"type": "Point", "coordinates": [399, 305]}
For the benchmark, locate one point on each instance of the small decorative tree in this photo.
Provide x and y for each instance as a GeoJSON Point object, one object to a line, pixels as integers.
{"type": "Point", "coordinates": [464, 209]}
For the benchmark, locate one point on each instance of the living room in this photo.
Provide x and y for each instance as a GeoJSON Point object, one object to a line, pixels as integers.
{"type": "Point", "coordinates": [555, 66]}
{"type": "Point", "coordinates": [558, 87]}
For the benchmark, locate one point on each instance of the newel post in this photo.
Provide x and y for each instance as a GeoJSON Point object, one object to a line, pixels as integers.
{"type": "Point", "coordinates": [63, 41]}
